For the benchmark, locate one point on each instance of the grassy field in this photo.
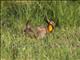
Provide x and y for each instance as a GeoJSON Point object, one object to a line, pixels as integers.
{"type": "Point", "coordinates": [63, 44]}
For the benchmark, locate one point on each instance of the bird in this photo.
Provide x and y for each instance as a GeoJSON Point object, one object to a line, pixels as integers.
{"type": "Point", "coordinates": [40, 32]}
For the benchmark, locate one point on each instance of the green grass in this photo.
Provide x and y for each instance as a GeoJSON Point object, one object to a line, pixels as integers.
{"type": "Point", "coordinates": [63, 44]}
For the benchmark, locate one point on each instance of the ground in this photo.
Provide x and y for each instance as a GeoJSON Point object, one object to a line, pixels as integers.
{"type": "Point", "coordinates": [62, 44]}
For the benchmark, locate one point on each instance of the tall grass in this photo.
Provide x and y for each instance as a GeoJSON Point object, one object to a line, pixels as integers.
{"type": "Point", "coordinates": [63, 44]}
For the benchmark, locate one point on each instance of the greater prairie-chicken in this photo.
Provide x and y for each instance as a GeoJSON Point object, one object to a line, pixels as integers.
{"type": "Point", "coordinates": [39, 31]}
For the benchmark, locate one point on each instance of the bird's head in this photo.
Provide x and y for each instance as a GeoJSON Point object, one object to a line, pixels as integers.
{"type": "Point", "coordinates": [51, 24]}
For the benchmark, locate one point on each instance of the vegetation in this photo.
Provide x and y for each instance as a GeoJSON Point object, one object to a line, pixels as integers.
{"type": "Point", "coordinates": [63, 44]}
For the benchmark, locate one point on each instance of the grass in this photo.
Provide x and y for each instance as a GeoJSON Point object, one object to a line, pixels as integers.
{"type": "Point", "coordinates": [63, 44]}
